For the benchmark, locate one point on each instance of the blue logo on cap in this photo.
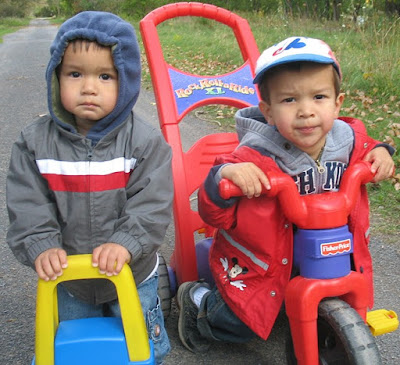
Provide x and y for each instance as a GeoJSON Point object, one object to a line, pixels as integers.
{"type": "Point", "coordinates": [296, 44]}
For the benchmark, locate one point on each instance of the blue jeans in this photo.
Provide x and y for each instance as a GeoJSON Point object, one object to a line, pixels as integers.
{"type": "Point", "coordinates": [70, 307]}
{"type": "Point", "coordinates": [216, 321]}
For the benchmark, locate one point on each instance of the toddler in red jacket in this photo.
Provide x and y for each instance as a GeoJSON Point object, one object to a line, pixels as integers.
{"type": "Point", "coordinates": [295, 129]}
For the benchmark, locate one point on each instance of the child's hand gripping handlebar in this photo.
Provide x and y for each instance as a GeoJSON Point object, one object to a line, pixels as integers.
{"type": "Point", "coordinates": [315, 211]}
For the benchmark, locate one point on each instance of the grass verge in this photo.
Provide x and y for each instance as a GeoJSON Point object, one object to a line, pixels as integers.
{"type": "Point", "coordinates": [9, 25]}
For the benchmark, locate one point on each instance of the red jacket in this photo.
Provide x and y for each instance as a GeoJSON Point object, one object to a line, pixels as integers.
{"type": "Point", "coordinates": [251, 256]}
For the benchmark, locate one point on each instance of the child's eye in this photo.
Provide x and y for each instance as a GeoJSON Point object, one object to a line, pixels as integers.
{"type": "Point", "coordinates": [75, 74]}
{"type": "Point", "coordinates": [319, 97]}
{"type": "Point", "coordinates": [288, 100]}
{"type": "Point", "coordinates": [105, 77]}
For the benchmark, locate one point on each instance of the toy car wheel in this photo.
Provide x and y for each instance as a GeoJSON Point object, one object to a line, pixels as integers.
{"type": "Point", "coordinates": [164, 291]}
{"type": "Point", "coordinates": [343, 337]}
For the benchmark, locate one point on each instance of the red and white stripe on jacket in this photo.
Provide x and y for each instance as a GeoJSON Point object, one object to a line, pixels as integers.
{"type": "Point", "coordinates": [86, 176]}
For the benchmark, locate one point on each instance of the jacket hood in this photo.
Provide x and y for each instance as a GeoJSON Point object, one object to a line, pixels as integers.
{"type": "Point", "coordinates": [255, 132]}
{"type": "Point", "coordinates": [109, 30]}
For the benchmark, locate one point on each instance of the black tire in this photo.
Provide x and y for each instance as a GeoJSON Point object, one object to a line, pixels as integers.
{"type": "Point", "coordinates": [164, 291]}
{"type": "Point", "coordinates": [343, 337]}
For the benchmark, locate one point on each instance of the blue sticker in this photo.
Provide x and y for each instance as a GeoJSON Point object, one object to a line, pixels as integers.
{"type": "Point", "coordinates": [190, 89]}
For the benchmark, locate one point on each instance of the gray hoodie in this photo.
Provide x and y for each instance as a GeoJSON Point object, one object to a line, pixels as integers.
{"type": "Point", "coordinates": [254, 132]}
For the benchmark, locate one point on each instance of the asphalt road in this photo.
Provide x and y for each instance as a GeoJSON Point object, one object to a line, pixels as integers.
{"type": "Point", "coordinates": [23, 60]}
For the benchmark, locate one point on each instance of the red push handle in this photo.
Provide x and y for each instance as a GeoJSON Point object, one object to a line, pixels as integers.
{"type": "Point", "coordinates": [198, 9]}
{"type": "Point", "coordinates": [315, 211]}
{"type": "Point", "coordinates": [169, 110]}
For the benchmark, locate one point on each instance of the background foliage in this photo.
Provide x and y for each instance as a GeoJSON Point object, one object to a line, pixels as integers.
{"type": "Point", "coordinates": [327, 9]}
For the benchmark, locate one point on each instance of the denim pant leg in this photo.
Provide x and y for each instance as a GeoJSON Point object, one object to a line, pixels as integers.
{"type": "Point", "coordinates": [70, 307]}
{"type": "Point", "coordinates": [151, 307]}
{"type": "Point", "coordinates": [216, 321]}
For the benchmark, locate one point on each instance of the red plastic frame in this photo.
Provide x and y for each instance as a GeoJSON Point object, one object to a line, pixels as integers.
{"type": "Point", "coordinates": [190, 168]}
{"type": "Point", "coordinates": [302, 298]}
{"type": "Point", "coordinates": [316, 211]}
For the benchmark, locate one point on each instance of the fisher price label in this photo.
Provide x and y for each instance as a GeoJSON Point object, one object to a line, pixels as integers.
{"type": "Point", "coordinates": [335, 248]}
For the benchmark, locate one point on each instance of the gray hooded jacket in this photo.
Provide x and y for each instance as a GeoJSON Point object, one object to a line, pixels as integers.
{"type": "Point", "coordinates": [255, 132]}
{"type": "Point", "coordinates": [112, 185]}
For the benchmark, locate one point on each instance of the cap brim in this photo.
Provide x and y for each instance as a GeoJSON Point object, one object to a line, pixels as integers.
{"type": "Point", "coordinates": [291, 59]}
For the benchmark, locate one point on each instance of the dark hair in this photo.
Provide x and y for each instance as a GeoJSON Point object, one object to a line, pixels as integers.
{"type": "Point", "coordinates": [263, 85]}
{"type": "Point", "coordinates": [80, 43]}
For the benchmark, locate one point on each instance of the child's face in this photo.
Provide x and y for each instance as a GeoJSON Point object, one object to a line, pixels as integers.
{"type": "Point", "coordinates": [88, 83]}
{"type": "Point", "coordinates": [303, 105]}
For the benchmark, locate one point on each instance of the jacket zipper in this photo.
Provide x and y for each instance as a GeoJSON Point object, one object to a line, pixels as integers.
{"type": "Point", "coordinates": [89, 157]}
{"type": "Point", "coordinates": [320, 168]}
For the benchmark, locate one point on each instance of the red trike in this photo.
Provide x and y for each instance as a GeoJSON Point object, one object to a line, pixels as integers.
{"type": "Point", "coordinates": [327, 302]}
{"type": "Point", "coordinates": [177, 93]}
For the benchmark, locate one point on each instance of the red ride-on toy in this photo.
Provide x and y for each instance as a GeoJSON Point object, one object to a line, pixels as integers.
{"type": "Point", "coordinates": [327, 303]}
{"type": "Point", "coordinates": [177, 93]}
{"type": "Point", "coordinates": [314, 326]}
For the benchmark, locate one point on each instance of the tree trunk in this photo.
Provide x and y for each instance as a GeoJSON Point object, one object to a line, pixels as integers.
{"type": "Point", "coordinates": [336, 9]}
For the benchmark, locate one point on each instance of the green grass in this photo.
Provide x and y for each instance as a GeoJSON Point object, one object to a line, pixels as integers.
{"type": "Point", "coordinates": [370, 61]}
{"type": "Point", "coordinates": [9, 25]}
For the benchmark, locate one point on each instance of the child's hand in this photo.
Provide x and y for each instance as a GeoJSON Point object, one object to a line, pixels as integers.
{"type": "Point", "coordinates": [49, 264]}
{"type": "Point", "coordinates": [110, 258]}
{"type": "Point", "coordinates": [248, 177]}
{"type": "Point", "coordinates": [382, 163]}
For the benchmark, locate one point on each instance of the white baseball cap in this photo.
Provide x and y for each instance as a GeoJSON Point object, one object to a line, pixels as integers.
{"type": "Point", "coordinates": [295, 49]}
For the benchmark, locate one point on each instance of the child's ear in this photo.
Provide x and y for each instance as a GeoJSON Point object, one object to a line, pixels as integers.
{"type": "Point", "coordinates": [339, 103]}
{"type": "Point", "coordinates": [265, 109]}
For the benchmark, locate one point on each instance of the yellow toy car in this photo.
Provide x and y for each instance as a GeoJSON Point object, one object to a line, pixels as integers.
{"type": "Point", "coordinates": [100, 341]}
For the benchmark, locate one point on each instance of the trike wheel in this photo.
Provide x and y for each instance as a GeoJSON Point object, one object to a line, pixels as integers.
{"type": "Point", "coordinates": [164, 291]}
{"type": "Point", "coordinates": [343, 337]}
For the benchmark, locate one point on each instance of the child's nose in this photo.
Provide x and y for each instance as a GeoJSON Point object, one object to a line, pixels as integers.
{"type": "Point", "coordinates": [89, 86]}
{"type": "Point", "coordinates": [305, 109]}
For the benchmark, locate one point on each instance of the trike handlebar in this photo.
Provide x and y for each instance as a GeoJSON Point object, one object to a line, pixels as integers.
{"type": "Point", "coordinates": [314, 211]}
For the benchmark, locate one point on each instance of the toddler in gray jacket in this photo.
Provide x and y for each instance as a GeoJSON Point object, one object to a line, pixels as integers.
{"type": "Point", "coordinates": [91, 177]}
